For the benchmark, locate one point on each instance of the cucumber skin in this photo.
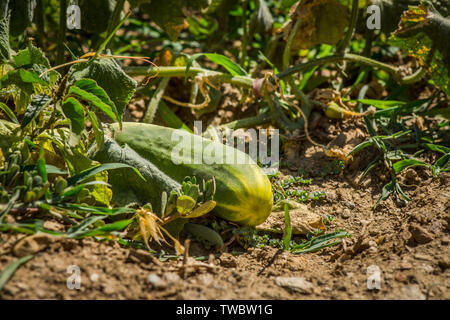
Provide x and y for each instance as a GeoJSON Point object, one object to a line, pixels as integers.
{"type": "Point", "coordinates": [243, 192]}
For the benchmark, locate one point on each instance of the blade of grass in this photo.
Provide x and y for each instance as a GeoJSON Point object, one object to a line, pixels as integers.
{"type": "Point", "coordinates": [11, 268]}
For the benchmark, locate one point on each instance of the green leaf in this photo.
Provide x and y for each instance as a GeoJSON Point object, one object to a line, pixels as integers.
{"type": "Point", "coordinates": [118, 86]}
{"type": "Point", "coordinates": [185, 204]}
{"type": "Point", "coordinates": [379, 104]}
{"type": "Point", "coordinates": [38, 102]}
{"type": "Point", "coordinates": [201, 210]}
{"type": "Point", "coordinates": [74, 111]}
{"type": "Point", "coordinates": [438, 148]}
{"type": "Point", "coordinates": [41, 168]}
{"type": "Point", "coordinates": [387, 190]}
{"type": "Point", "coordinates": [30, 56]}
{"type": "Point", "coordinates": [400, 165]}
{"type": "Point", "coordinates": [11, 268]}
{"type": "Point", "coordinates": [88, 90]}
{"type": "Point", "coordinates": [204, 233]}
{"type": "Point", "coordinates": [83, 227]}
{"type": "Point", "coordinates": [9, 112]}
{"type": "Point", "coordinates": [97, 128]}
{"type": "Point", "coordinates": [86, 174]}
{"type": "Point", "coordinates": [94, 209]}
{"type": "Point", "coordinates": [320, 242]}
{"type": "Point", "coordinates": [5, 50]}
{"type": "Point", "coordinates": [54, 170]}
{"type": "Point", "coordinates": [9, 205]}
{"type": "Point", "coordinates": [361, 146]}
{"type": "Point", "coordinates": [232, 67]}
{"type": "Point", "coordinates": [106, 229]}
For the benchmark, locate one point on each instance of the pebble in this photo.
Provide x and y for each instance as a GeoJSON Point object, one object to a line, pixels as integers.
{"type": "Point", "coordinates": [346, 214]}
{"type": "Point", "coordinates": [349, 204]}
{"type": "Point", "coordinates": [445, 241]}
{"type": "Point", "coordinates": [424, 257]}
{"type": "Point", "coordinates": [172, 277]}
{"type": "Point", "coordinates": [419, 234]}
{"type": "Point", "coordinates": [94, 277]}
{"type": "Point", "coordinates": [400, 277]}
{"type": "Point", "coordinates": [295, 283]}
{"type": "Point", "coordinates": [156, 281]}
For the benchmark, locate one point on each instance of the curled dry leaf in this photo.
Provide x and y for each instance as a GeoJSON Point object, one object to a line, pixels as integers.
{"type": "Point", "coordinates": [303, 220]}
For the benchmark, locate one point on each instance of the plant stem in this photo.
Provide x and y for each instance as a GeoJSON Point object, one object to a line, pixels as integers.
{"type": "Point", "coordinates": [154, 101]}
{"type": "Point", "coordinates": [62, 31]}
{"type": "Point", "coordinates": [353, 58]}
{"type": "Point", "coordinates": [164, 72]}
{"type": "Point", "coordinates": [243, 58]}
{"type": "Point", "coordinates": [250, 122]}
{"type": "Point", "coordinates": [305, 104]}
{"type": "Point", "coordinates": [351, 28]}
{"type": "Point", "coordinates": [115, 17]}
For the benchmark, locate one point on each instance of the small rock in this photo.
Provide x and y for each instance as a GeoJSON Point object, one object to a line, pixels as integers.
{"type": "Point", "coordinates": [444, 262]}
{"type": "Point", "coordinates": [373, 249]}
{"type": "Point", "coordinates": [139, 255]}
{"type": "Point", "coordinates": [32, 244]}
{"type": "Point", "coordinates": [172, 277]}
{"type": "Point", "coordinates": [346, 213]}
{"type": "Point", "coordinates": [228, 260]}
{"type": "Point", "coordinates": [156, 281]}
{"type": "Point", "coordinates": [349, 204]}
{"type": "Point", "coordinates": [295, 283]}
{"type": "Point", "coordinates": [331, 196]}
{"type": "Point", "coordinates": [372, 243]}
{"type": "Point", "coordinates": [424, 257]}
{"type": "Point", "coordinates": [445, 241]}
{"type": "Point", "coordinates": [400, 277]}
{"type": "Point", "coordinates": [412, 292]}
{"type": "Point", "coordinates": [419, 234]}
{"type": "Point", "coordinates": [94, 277]}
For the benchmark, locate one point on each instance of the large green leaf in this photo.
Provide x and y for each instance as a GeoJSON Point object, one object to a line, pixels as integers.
{"type": "Point", "coordinates": [88, 90]}
{"type": "Point", "coordinates": [423, 33]}
{"type": "Point", "coordinates": [9, 112]}
{"type": "Point", "coordinates": [110, 76]}
{"type": "Point", "coordinates": [38, 102]}
{"type": "Point", "coordinates": [74, 111]}
{"type": "Point", "coordinates": [5, 50]}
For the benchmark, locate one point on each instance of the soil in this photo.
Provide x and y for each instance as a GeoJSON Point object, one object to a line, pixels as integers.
{"type": "Point", "coordinates": [407, 244]}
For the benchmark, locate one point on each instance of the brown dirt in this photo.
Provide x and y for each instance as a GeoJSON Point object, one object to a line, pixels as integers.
{"type": "Point", "coordinates": [408, 242]}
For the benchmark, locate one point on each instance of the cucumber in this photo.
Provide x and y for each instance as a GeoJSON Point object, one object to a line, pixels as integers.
{"type": "Point", "coordinates": [243, 191]}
